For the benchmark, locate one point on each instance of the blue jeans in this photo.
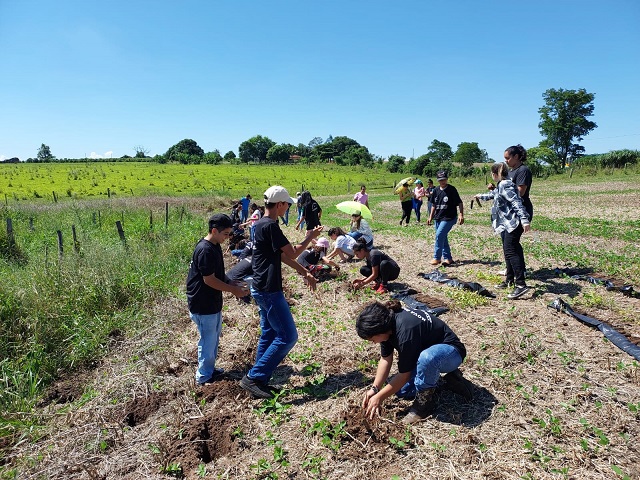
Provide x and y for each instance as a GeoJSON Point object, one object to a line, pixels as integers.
{"type": "Point", "coordinates": [209, 328]}
{"type": "Point", "coordinates": [433, 361]}
{"type": "Point", "coordinates": [417, 205]}
{"type": "Point", "coordinates": [244, 215]}
{"type": "Point", "coordinates": [278, 334]}
{"type": "Point", "coordinates": [441, 249]}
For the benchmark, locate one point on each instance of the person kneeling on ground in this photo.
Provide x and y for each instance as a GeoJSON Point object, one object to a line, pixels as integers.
{"type": "Point", "coordinates": [380, 267]}
{"type": "Point", "coordinates": [426, 348]}
{"type": "Point", "coordinates": [343, 246]}
{"type": "Point", "coordinates": [314, 259]}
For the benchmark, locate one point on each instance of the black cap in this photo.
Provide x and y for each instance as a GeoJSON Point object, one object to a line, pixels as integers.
{"type": "Point", "coordinates": [442, 174]}
{"type": "Point", "coordinates": [220, 221]}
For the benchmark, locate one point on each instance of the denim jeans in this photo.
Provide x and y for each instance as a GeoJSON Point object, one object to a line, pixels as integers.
{"type": "Point", "coordinates": [441, 249]}
{"type": "Point", "coordinates": [417, 205]}
{"type": "Point", "coordinates": [209, 328]}
{"type": "Point", "coordinates": [299, 217]}
{"type": "Point", "coordinates": [278, 334]}
{"type": "Point", "coordinates": [433, 361]}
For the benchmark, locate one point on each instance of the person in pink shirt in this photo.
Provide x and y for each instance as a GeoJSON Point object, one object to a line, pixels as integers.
{"type": "Point", "coordinates": [418, 194]}
{"type": "Point", "coordinates": [361, 196]}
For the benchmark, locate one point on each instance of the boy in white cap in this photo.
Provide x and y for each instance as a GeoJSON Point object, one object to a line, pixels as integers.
{"type": "Point", "coordinates": [278, 331]}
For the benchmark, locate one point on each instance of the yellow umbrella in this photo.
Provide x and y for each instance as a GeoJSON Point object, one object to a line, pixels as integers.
{"type": "Point", "coordinates": [408, 180]}
{"type": "Point", "coordinates": [352, 207]}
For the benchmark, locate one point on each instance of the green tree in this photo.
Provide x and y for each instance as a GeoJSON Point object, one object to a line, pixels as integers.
{"type": "Point", "coordinates": [467, 154]}
{"type": "Point", "coordinates": [212, 158]}
{"type": "Point", "coordinates": [563, 121]}
{"type": "Point", "coordinates": [396, 163]}
{"type": "Point", "coordinates": [44, 154]}
{"type": "Point", "coordinates": [315, 141]}
{"type": "Point", "coordinates": [255, 149]}
{"type": "Point", "coordinates": [440, 152]}
{"type": "Point", "coordinates": [280, 153]}
{"type": "Point", "coordinates": [229, 156]}
{"type": "Point", "coordinates": [185, 147]}
{"type": "Point", "coordinates": [417, 165]}
{"type": "Point", "coordinates": [141, 152]}
{"type": "Point", "coordinates": [355, 156]}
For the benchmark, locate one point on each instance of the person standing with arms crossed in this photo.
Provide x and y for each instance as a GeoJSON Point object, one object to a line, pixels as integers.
{"type": "Point", "coordinates": [278, 332]}
{"type": "Point", "coordinates": [445, 201]}
{"type": "Point", "coordinates": [205, 284]}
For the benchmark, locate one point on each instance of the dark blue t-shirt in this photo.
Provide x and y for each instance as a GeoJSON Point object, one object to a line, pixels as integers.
{"type": "Point", "coordinates": [266, 260]}
{"type": "Point", "coordinates": [206, 260]}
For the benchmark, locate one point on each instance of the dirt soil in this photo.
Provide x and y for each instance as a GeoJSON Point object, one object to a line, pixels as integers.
{"type": "Point", "coordinates": [552, 398]}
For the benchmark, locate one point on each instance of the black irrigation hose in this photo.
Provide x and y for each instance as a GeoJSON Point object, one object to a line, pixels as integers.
{"type": "Point", "coordinates": [439, 277]}
{"type": "Point", "coordinates": [608, 284]}
{"type": "Point", "coordinates": [618, 339]}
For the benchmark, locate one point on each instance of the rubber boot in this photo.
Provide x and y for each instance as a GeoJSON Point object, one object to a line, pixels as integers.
{"type": "Point", "coordinates": [422, 407]}
{"type": "Point", "coordinates": [456, 383]}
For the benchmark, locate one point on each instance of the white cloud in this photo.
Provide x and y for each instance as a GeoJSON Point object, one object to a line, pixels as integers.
{"type": "Point", "coordinates": [95, 155]}
{"type": "Point", "coordinates": [2, 158]}
{"type": "Point", "coordinates": [108, 154]}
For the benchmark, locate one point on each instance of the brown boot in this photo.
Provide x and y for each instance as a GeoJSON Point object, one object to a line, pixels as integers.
{"type": "Point", "coordinates": [455, 382]}
{"type": "Point", "coordinates": [422, 407]}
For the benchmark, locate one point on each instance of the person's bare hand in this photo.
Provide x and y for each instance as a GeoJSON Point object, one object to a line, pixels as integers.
{"type": "Point", "coordinates": [526, 228]}
{"type": "Point", "coordinates": [311, 282]}
{"type": "Point", "coordinates": [373, 407]}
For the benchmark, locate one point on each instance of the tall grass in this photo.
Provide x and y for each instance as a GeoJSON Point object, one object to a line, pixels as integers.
{"type": "Point", "coordinates": [57, 312]}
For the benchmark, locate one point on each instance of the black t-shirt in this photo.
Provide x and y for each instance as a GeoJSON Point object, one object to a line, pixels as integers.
{"type": "Point", "coordinates": [311, 213]}
{"type": "Point", "coordinates": [309, 257]}
{"type": "Point", "coordinates": [446, 203]}
{"type": "Point", "coordinates": [416, 330]}
{"type": "Point", "coordinates": [240, 270]}
{"type": "Point", "coordinates": [376, 257]}
{"type": "Point", "coordinates": [266, 262]}
{"type": "Point", "coordinates": [522, 176]}
{"type": "Point", "coordinates": [206, 260]}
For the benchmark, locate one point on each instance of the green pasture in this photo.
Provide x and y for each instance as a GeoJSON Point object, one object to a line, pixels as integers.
{"type": "Point", "coordinates": [21, 182]}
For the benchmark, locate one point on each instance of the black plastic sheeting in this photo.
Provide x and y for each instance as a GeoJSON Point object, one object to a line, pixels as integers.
{"type": "Point", "coordinates": [608, 284]}
{"type": "Point", "coordinates": [407, 298]}
{"type": "Point", "coordinates": [438, 276]}
{"type": "Point", "coordinates": [618, 339]}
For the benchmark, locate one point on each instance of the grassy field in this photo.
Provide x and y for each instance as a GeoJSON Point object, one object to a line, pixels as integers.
{"type": "Point", "coordinates": [97, 367]}
{"type": "Point", "coordinates": [20, 182]}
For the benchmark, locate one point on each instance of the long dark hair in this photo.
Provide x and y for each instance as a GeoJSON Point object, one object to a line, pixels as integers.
{"type": "Point", "coordinates": [376, 318]}
{"type": "Point", "coordinates": [500, 169]}
{"type": "Point", "coordinates": [336, 231]}
{"type": "Point", "coordinates": [517, 150]}
{"type": "Point", "coordinates": [305, 198]}
{"type": "Point", "coordinates": [361, 244]}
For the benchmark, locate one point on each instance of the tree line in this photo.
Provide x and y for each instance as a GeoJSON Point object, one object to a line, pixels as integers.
{"type": "Point", "coordinates": [563, 123]}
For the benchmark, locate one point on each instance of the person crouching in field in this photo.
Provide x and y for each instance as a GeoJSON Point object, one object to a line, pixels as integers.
{"type": "Point", "coordinates": [205, 284]}
{"type": "Point", "coordinates": [278, 332]}
{"type": "Point", "coordinates": [343, 244]}
{"type": "Point", "coordinates": [426, 348]}
{"type": "Point", "coordinates": [314, 259]}
{"type": "Point", "coordinates": [380, 267]}
{"type": "Point", "coordinates": [510, 220]}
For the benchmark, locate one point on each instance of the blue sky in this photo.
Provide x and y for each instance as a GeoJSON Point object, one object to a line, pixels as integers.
{"type": "Point", "coordinates": [100, 78]}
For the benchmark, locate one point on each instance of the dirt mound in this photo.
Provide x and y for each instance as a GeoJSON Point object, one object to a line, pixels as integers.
{"type": "Point", "coordinates": [202, 440]}
{"type": "Point", "coordinates": [139, 409]}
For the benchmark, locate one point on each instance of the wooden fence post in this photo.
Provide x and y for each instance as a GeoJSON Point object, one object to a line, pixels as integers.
{"type": "Point", "coordinates": [55, 198]}
{"type": "Point", "coordinates": [108, 192]}
{"type": "Point", "coordinates": [166, 215]}
{"type": "Point", "coordinates": [6, 201]}
{"type": "Point", "coordinates": [121, 232]}
{"type": "Point", "coordinates": [571, 173]}
{"type": "Point", "coordinates": [151, 219]}
{"type": "Point", "coordinates": [181, 213]}
{"type": "Point", "coordinates": [60, 249]}
{"type": "Point", "coordinates": [76, 244]}
{"type": "Point", "coordinates": [31, 224]}
{"type": "Point", "coordinates": [99, 220]}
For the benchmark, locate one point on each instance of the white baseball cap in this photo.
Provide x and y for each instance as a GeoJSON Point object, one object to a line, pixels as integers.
{"type": "Point", "coordinates": [277, 194]}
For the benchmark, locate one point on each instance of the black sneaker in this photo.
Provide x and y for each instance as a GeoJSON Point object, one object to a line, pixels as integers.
{"type": "Point", "coordinates": [255, 388]}
{"type": "Point", "coordinates": [519, 291]}
{"type": "Point", "coordinates": [504, 285]}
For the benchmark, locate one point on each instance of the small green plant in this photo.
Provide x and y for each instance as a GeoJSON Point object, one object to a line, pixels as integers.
{"type": "Point", "coordinates": [620, 473]}
{"type": "Point", "coordinates": [331, 434]}
{"type": "Point", "coordinates": [312, 464]}
{"type": "Point", "coordinates": [174, 469]}
{"type": "Point", "coordinates": [202, 470]}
